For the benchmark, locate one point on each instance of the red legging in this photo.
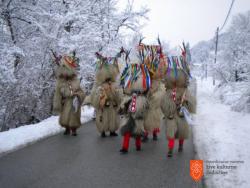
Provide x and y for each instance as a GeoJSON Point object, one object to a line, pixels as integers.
{"type": "Point", "coordinates": [171, 142]}
{"type": "Point", "coordinates": [126, 138]}
{"type": "Point", "coordinates": [156, 130]}
{"type": "Point", "coordinates": [181, 142]}
{"type": "Point", "coordinates": [138, 142]}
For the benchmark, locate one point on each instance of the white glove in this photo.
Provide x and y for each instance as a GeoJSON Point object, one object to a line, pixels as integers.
{"type": "Point", "coordinates": [75, 104]}
{"type": "Point", "coordinates": [187, 115]}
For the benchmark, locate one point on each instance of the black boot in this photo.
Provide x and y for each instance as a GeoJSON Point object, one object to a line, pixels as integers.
{"type": "Point", "coordinates": [67, 131]}
{"type": "Point", "coordinates": [103, 135]}
{"type": "Point", "coordinates": [155, 137]}
{"type": "Point", "coordinates": [180, 149]}
{"type": "Point", "coordinates": [144, 138]}
{"type": "Point", "coordinates": [170, 153]}
{"type": "Point", "coordinates": [73, 130]}
{"type": "Point", "coordinates": [123, 151]}
{"type": "Point", "coordinates": [113, 133]}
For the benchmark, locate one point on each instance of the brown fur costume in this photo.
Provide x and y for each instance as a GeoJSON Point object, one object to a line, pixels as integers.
{"type": "Point", "coordinates": [134, 104]}
{"type": "Point", "coordinates": [142, 106]}
{"type": "Point", "coordinates": [105, 97]}
{"type": "Point", "coordinates": [171, 81]}
{"type": "Point", "coordinates": [154, 114]}
{"type": "Point", "coordinates": [176, 98]}
{"type": "Point", "coordinates": [176, 125]}
{"type": "Point", "coordinates": [153, 57]}
{"type": "Point", "coordinates": [106, 114]}
{"type": "Point", "coordinates": [67, 87]}
{"type": "Point", "coordinates": [137, 126]}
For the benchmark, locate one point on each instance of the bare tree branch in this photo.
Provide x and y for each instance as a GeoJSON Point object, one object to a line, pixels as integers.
{"type": "Point", "coordinates": [21, 19]}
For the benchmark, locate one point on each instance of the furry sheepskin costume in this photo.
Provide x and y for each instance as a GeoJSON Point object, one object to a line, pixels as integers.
{"type": "Point", "coordinates": [176, 97]}
{"type": "Point", "coordinates": [154, 59]}
{"type": "Point", "coordinates": [106, 96]}
{"type": "Point", "coordinates": [154, 114]}
{"type": "Point", "coordinates": [68, 95]}
{"type": "Point", "coordinates": [176, 125]}
{"type": "Point", "coordinates": [136, 82]}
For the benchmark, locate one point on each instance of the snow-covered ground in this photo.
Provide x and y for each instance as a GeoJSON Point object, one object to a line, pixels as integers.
{"type": "Point", "coordinates": [221, 137]}
{"type": "Point", "coordinates": [235, 94]}
{"type": "Point", "coordinates": [22, 136]}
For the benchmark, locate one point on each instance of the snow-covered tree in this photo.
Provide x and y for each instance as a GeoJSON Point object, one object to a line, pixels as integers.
{"type": "Point", "coordinates": [232, 68]}
{"type": "Point", "coordinates": [236, 54]}
{"type": "Point", "coordinates": [30, 29]}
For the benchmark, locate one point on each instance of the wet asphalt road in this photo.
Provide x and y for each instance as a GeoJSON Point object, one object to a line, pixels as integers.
{"type": "Point", "coordinates": [91, 161]}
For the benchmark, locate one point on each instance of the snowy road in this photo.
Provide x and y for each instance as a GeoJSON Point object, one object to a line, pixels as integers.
{"type": "Point", "coordinates": [90, 161]}
{"type": "Point", "coordinates": [219, 134]}
{"type": "Point", "coordinates": [223, 135]}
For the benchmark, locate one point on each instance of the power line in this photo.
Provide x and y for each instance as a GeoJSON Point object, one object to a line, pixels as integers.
{"type": "Point", "coordinates": [227, 15]}
{"type": "Point", "coordinates": [217, 37]}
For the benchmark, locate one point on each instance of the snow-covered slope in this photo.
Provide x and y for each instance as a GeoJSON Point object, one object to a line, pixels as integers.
{"type": "Point", "coordinates": [22, 136]}
{"type": "Point", "coordinates": [221, 137]}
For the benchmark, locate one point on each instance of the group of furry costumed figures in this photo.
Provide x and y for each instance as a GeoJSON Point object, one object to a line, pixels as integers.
{"type": "Point", "coordinates": [152, 90]}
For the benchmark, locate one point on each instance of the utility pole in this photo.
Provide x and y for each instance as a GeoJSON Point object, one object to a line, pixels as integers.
{"type": "Point", "coordinates": [216, 47]}
{"type": "Point", "coordinates": [217, 37]}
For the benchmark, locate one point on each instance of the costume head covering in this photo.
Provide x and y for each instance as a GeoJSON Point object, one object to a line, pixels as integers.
{"type": "Point", "coordinates": [107, 68]}
{"type": "Point", "coordinates": [67, 64]}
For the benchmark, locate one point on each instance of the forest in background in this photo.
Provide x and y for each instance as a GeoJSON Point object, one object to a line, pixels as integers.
{"type": "Point", "coordinates": [232, 68]}
{"type": "Point", "coordinates": [29, 29]}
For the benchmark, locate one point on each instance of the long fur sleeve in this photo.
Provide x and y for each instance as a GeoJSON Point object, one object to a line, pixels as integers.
{"type": "Point", "coordinates": [95, 97]}
{"type": "Point", "coordinates": [117, 97]}
{"type": "Point", "coordinates": [57, 100]}
{"type": "Point", "coordinates": [124, 105]}
{"type": "Point", "coordinates": [65, 91]}
{"type": "Point", "coordinates": [81, 95]}
{"type": "Point", "coordinates": [78, 91]}
{"type": "Point", "coordinates": [141, 107]}
{"type": "Point", "coordinates": [168, 106]}
{"type": "Point", "coordinates": [190, 102]}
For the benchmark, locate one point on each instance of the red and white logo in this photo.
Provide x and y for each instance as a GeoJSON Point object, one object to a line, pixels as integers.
{"type": "Point", "coordinates": [132, 107]}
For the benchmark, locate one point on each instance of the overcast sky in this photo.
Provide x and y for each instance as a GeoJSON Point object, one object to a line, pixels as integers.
{"type": "Point", "coordinates": [189, 20]}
